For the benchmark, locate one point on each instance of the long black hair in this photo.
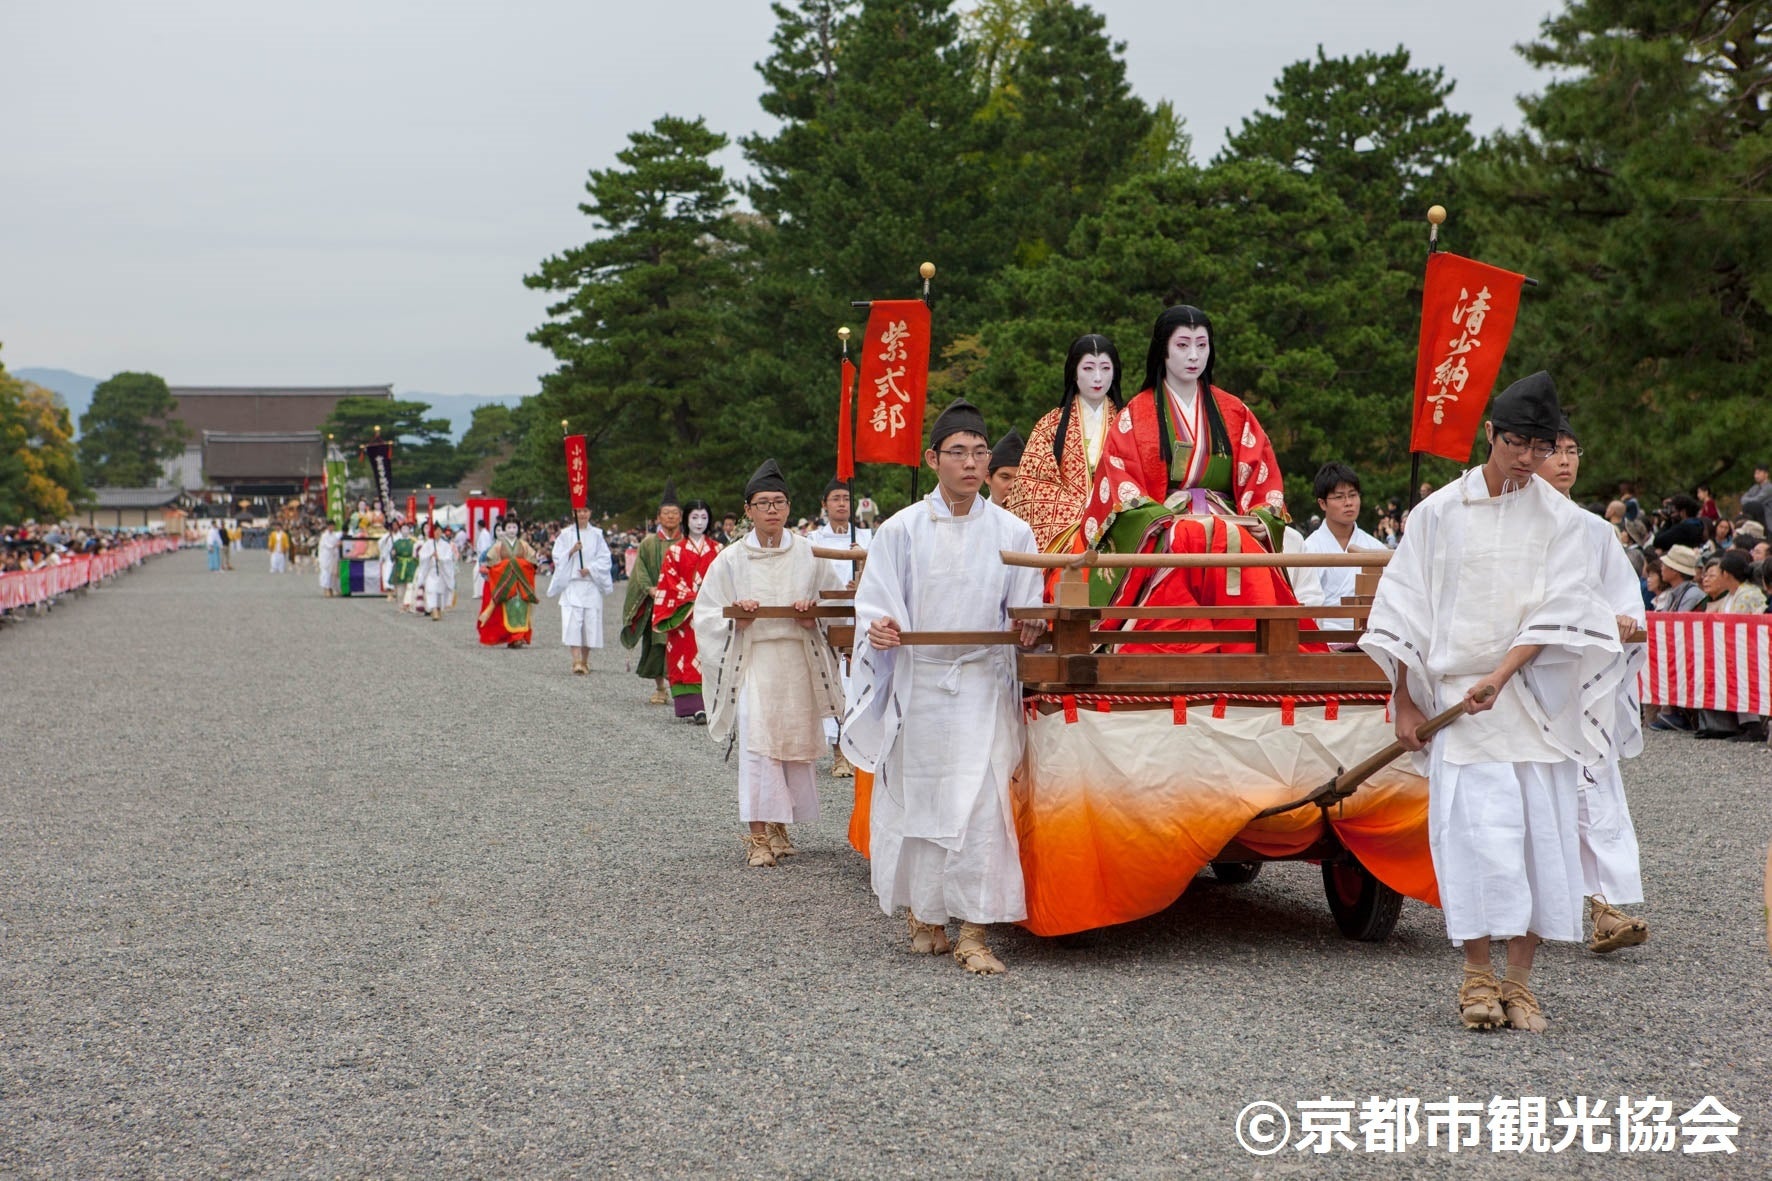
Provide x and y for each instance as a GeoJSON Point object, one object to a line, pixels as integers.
{"type": "Point", "coordinates": [1084, 346]}
{"type": "Point", "coordinates": [1183, 316]}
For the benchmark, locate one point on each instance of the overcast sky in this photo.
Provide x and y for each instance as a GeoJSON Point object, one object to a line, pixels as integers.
{"type": "Point", "coordinates": [335, 192]}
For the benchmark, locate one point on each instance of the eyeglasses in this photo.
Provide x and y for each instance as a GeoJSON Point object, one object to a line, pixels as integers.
{"type": "Point", "coordinates": [1569, 452]}
{"type": "Point", "coordinates": [1540, 450]}
{"type": "Point", "coordinates": [962, 454]}
{"type": "Point", "coordinates": [773, 504]}
{"type": "Point", "coordinates": [1341, 497]}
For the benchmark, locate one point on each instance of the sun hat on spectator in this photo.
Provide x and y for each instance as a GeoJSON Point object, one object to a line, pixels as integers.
{"type": "Point", "coordinates": [1752, 529]}
{"type": "Point", "coordinates": [1682, 558]}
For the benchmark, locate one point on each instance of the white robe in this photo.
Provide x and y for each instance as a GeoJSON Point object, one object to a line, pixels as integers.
{"type": "Point", "coordinates": [1332, 584]}
{"type": "Point", "coordinates": [482, 542]}
{"type": "Point", "coordinates": [581, 585]}
{"type": "Point", "coordinates": [771, 684]}
{"type": "Point", "coordinates": [435, 577]}
{"type": "Point", "coordinates": [941, 727]}
{"type": "Point", "coordinates": [327, 552]}
{"type": "Point", "coordinates": [384, 548]}
{"type": "Point", "coordinates": [825, 538]}
{"type": "Point", "coordinates": [1474, 576]}
{"type": "Point", "coordinates": [1609, 858]}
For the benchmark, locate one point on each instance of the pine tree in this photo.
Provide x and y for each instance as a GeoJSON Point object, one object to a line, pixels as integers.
{"type": "Point", "coordinates": [1638, 194]}
{"type": "Point", "coordinates": [128, 429]}
{"type": "Point", "coordinates": [640, 324]}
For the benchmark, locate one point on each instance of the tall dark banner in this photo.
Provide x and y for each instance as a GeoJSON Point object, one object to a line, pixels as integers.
{"type": "Point", "coordinates": [381, 463]}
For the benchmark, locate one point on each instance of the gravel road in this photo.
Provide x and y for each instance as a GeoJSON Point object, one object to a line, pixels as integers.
{"type": "Point", "coordinates": [302, 887]}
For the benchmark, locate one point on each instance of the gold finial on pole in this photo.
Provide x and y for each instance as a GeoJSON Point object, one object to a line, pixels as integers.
{"type": "Point", "coordinates": [843, 336]}
{"type": "Point", "coordinates": [562, 428]}
{"type": "Point", "coordinates": [1436, 217]}
{"type": "Point", "coordinates": [927, 270]}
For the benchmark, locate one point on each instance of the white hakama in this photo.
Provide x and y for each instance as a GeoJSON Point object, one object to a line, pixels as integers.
{"type": "Point", "coordinates": [772, 683]}
{"type": "Point", "coordinates": [1475, 576]}
{"type": "Point", "coordinates": [327, 552]}
{"type": "Point", "coordinates": [1488, 820]}
{"type": "Point", "coordinates": [581, 585]}
{"type": "Point", "coordinates": [941, 727]}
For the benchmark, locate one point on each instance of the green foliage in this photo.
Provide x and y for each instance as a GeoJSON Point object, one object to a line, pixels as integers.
{"type": "Point", "coordinates": [492, 431]}
{"type": "Point", "coordinates": [1639, 196]}
{"type": "Point", "coordinates": [39, 475]}
{"type": "Point", "coordinates": [128, 430]}
{"type": "Point", "coordinates": [423, 452]}
{"type": "Point", "coordinates": [642, 316]}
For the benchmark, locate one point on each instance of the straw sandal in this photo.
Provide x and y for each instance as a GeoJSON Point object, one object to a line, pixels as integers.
{"type": "Point", "coordinates": [928, 938]}
{"type": "Point", "coordinates": [756, 845]}
{"type": "Point", "coordinates": [1523, 1011]}
{"type": "Point", "coordinates": [1479, 1000]}
{"type": "Point", "coordinates": [1613, 928]}
{"type": "Point", "coordinates": [972, 954]}
{"type": "Point", "coordinates": [779, 844]}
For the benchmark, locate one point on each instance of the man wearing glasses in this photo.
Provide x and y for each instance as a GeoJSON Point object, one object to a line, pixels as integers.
{"type": "Point", "coordinates": [1490, 602]}
{"type": "Point", "coordinates": [1609, 860]}
{"type": "Point", "coordinates": [768, 683]}
{"type": "Point", "coordinates": [941, 725]}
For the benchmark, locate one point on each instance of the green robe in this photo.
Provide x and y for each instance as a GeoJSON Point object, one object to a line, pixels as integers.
{"type": "Point", "coordinates": [405, 555]}
{"type": "Point", "coordinates": [636, 613]}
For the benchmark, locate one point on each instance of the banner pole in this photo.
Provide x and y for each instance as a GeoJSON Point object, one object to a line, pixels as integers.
{"type": "Point", "coordinates": [1436, 216]}
{"type": "Point", "coordinates": [849, 483]}
{"type": "Point", "coordinates": [927, 271]}
{"type": "Point", "coordinates": [577, 533]}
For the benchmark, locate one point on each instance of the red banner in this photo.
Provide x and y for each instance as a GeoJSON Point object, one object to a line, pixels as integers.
{"type": "Point", "coordinates": [846, 424]}
{"type": "Point", "coordinates": [1467, 316]}
{"type": "Point", "coordinates": [1705, 661]}
{"type": "Point", "coordinates": [894, 383]}
{"type": "Point", "coordinates": [411, 507]}
{"type": "Point", "coordinates": [578, 471]}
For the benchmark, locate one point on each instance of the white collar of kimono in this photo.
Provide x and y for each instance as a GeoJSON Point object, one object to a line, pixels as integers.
{"type": "Point", "coordinates": [938, 507]}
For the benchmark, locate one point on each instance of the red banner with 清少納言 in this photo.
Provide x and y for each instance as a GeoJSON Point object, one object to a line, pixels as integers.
{"type": "Point", "coordinates": [578, 471]}
{"type": "Point", "coordinates": [1467, 316]}
{"type": "Point", "coordinates": [845, 423]}
{"type": "Point", "coordinates": [894, 383]}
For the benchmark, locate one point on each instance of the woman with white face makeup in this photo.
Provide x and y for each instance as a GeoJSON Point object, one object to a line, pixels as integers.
{"type": "Point", "coordinates": [1058, 463]}
{"type": "Point", "coordinates": [686, 563]}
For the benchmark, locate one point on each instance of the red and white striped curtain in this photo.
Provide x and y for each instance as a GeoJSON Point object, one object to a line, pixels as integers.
{"type": "Point", "coordinates": [21, 588]}
{"type": "Point", "coordinates": [1699, 661]}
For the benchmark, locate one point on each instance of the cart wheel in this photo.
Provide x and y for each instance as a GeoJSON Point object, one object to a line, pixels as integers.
{"type": "Point", "coordinates": [1364, 907]}
{"type": "Point", "coordinates": [1235, 873]}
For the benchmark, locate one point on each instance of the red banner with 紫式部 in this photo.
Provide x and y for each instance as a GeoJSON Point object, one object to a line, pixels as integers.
{"type": "Point", "coordinates": [894, 383]}
{"type": "Point", "coordinates": [1467, 315]}
{"type": "Point", "coordinates": [578, 471]}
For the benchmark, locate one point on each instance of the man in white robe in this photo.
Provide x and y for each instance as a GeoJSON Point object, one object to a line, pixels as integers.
{"type": "Point", "coordinates": [582, 576]}
{"type": "Point", "coordinates": [482, 542]}
{"type": "Point", "coordinates": [940, 726]}
{"type": "Point", "coordinates": [768, 684]}
{"type": "Point", "coordinates": [435, 577]}
{"type": "Point", "coordinates": [1489, 603]}
{"type": "Point", "coordinates": [384, 549]}
{"type": "Point", "coordinates": [834, 532]}
{"type": "Point", "coordinates": [1337, 489]}
{"type": "Point", "coordinates": [1610, 867]}
{"type": "Point", "coordinates": [327, 553]}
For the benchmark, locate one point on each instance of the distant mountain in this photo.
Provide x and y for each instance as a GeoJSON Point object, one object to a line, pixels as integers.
{"type": "Point", "coordinates": [457, 408]}
{"type": "Point", "coordinates": [76, 390]}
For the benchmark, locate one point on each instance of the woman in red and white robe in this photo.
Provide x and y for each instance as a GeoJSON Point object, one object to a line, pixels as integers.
{"type": "Point", "coordinates": [680, 576]}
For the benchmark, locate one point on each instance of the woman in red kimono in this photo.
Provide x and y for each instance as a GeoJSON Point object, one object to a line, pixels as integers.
{"type": "Point", "coordinates": [1186, 468]}
{"type": "Point", "coordinates": [509, 589]}
{"type": "Point", "coordinates": [685, 564]}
